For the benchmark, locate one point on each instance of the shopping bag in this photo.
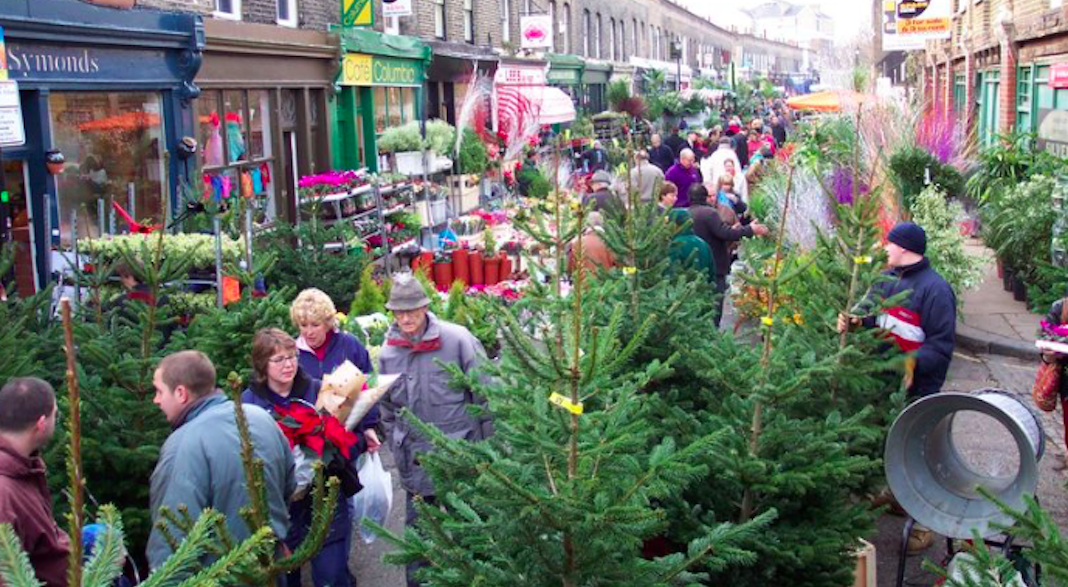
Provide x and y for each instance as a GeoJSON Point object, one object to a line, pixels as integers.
{"type": "Point", "coordinates": [375, 500]}
{"type": "Point", "coordinates": [1047, 385]}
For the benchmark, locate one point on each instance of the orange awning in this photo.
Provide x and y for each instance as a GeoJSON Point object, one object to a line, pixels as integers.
{"type": "Point", "coordinates": [827, 101]}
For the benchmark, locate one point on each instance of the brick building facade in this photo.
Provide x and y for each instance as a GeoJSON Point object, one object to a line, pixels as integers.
{"type": "Point", "coordinates": [994, 71]}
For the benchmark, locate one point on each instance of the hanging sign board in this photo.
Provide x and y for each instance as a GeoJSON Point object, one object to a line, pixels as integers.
{"type": "Point", "coordinates": [908, 24]}
{"type": "Point", "coordinates": [1053, 132]}
{"type": "Point", "coordinates": [536, 31]}
{"type": "Point", "coordinates": [1058, 76]}
{"type": "Point", "coordinates": [360, 69]}
{"type": "Point", "coordinates": [12, 133]}
{"type": "Point", "coordinates": [357, 13]}
{"type": "Point", "coordinates": [391, 8]}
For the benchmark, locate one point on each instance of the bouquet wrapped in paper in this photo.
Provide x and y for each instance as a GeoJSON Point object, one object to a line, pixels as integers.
{"type": "Point", "coordinates": [348, 394]}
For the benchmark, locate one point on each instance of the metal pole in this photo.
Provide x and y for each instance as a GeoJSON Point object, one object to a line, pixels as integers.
{"type": "Point", "coordinates": [248, 235]}
{"type": "Point", "coordinates": [387, 258]}
{"type": "Point", "coordinates": [77, 262]}
{"type": "Point", "coordinates": [111, 215]}
{"type": "Point", "coordinates": [101, 215]}
{"type": "Point", "coordinates": [216, 226]}
{"type": "Point", "coordinates": [131, 200]}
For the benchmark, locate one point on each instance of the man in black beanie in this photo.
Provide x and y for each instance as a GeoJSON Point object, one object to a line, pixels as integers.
{"type": "Point", "coordinates": [924, 326]}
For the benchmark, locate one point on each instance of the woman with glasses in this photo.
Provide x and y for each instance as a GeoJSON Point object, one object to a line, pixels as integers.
{"type": "Point", "coordinates": [278, 381]}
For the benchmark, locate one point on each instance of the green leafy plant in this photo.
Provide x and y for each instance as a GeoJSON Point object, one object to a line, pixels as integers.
{"type": "Point", "coordinates": [311, 254]}
{"type": "Point", "coordinates": [910, 167]}
{"type": "Point", "coordinates": [400, 139]}
{"type": "Point", "coordinates": [473, 155]}
{"type": "Point", "coordinates": [941, 219]}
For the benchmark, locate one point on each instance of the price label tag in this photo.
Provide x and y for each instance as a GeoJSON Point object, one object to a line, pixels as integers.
{"type": "Point", "coordinates": [558, 400]}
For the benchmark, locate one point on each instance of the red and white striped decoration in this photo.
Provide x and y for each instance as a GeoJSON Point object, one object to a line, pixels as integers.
{"type": "Point", "coordinates": [903, 325]}
{"type": "Point", "coordinates": [514, 110]}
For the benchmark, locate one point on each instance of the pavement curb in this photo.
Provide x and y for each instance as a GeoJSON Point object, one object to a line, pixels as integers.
{"type": "Point", "coordinates": [981, 341]}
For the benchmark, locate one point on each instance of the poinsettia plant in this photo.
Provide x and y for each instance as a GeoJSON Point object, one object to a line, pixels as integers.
{"type": "Point", "coordinates": [318, 433]}
{"type": "Point", "coordinates": [1053, 332]}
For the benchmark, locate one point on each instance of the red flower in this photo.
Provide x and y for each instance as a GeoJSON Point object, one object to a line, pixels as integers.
{"type": "Point", "coordinates": [304, 426]}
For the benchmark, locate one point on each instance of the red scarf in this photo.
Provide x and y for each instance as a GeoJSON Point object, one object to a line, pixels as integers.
{"type": "Point", "coordinates": [320, 351]}
{"type": "Point", "coordinates": [423, 346]}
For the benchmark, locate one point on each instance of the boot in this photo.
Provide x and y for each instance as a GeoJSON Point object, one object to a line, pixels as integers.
{"type": "Point", "coordinates": [919, 540]}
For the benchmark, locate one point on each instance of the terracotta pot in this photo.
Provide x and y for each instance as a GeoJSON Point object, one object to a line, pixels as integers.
{"type": "Point", "coordinates": [443, 275]}
{"type": "Point", "coordinates": [461, 266]}
{"type": "Point", "coordinates": [477, 267]}
{"type": "Point", "coordinates": [493, 270]}
{"type": "Point", "coordinates": [506, 266]}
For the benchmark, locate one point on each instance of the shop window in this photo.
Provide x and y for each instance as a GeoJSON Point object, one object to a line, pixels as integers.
{"type": "Point", "coordinates": [113, 143]}
{"type": "Point", "coordinates": [407, 104]}
{"type": "Point", "coordinates": [439, 19]}
{"type": "Point", "coordinates": [394, 106]}
{"type": "Point", "coordinates": [287, 13]}
{"type": "Point", "coordinates": [236, 156]}
{"type": "Point", "coordinates": [228, 9]}
{"type": "Point", "coordinates": [380, 110]}
{"type": "Point", "coordinates": [469, 21]}
{"type": "Point", "coordinates": [1024, 97]}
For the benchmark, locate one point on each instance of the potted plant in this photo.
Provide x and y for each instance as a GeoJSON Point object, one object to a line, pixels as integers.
{"type": "Point", "coordinates": [490, 259]}
{"type": "Point", "coordinates": [443, 270]}
{"type": "Point", "coordinates": [461, 265]}
{"type": "Point", "coordinates": [425, 260]}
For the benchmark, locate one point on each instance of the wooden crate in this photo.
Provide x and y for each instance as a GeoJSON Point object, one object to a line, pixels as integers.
{"type": "Point", "coordinates": [864, 575]}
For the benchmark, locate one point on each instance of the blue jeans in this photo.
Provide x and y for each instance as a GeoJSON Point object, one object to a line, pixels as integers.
{"type": "Point", "coordinates": [330, 568]}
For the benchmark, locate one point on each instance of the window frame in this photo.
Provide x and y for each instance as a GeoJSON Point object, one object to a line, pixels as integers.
{"type": "Point", "coordinates": [235, 5]}
{"type": "Point", "coordinates": [441, 27]}
{"type": "Point", "coordinates": [469, 21]}
{"type": "Point", "coordinates": [294, 18]}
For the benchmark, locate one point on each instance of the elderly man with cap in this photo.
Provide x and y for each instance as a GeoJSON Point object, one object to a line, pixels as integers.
{"type": "Point", "coordinates": [601, 193]}
{"type": "Point", "coordinates": [926, 324]}
{"type": "Point", "coordinates": [418, 345]}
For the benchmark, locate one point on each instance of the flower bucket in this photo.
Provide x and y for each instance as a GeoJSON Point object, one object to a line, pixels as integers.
{"type": "Point", "coordinates": [477, 267]}
{"type": "Point", "coordinates": [506, 266]}
{"type": "Point", "coordinates": [461, 266]}
{"type": "Point", "coordinates": [1019, 289]}
{"type": "Point", "coordinates": [1006, 280]}
{"type": "Point", "coordinates": [443, 275]}
{"type": "Point", "coordinates": [493, 270]}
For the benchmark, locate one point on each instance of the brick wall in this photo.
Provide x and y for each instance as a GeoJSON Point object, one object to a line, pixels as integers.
{"type": "Point", "coordinates": [203, 7]}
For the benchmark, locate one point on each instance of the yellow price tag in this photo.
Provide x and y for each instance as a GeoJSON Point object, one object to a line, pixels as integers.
{"type": "Point", "coordinates": [558, 400]}
{"type": "Point", "coordinates": [567, 134]}
{"type": "Point", "coordinates": [862, 260]}
{"type": "Point", "coordinates": [630, 270]}
{"type": "Point", "coordinates": [767, 320]}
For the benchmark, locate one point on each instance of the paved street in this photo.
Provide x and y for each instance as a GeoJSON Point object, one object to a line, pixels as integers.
{"type": "Point", "coordinates": [988, 447]}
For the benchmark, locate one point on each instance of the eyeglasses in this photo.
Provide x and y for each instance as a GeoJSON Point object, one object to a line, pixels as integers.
{"type": "Point", "coordinates": [281, 360]}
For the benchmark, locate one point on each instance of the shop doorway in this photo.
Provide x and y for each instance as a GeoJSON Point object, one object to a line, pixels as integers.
{"type": "Point", "coordinates": [19, 219]}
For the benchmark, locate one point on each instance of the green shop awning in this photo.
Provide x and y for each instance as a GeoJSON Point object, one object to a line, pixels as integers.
{"type": "Point", "coordinates": [375, 43]}
{"type": "Point", "coordinates": [565, 69]}
{"type": "Point", "coordinates": [596, 73]}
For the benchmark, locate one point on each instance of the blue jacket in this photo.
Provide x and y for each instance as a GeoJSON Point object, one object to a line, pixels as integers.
{"type": "Point", "coordinates": [932, 305]}
{"type": "Point", "coordinates": [300, 512]}
{"type": "Point", "coordinates": [341, 347]}
{"type": "Point", "coordinates": [200, 467]}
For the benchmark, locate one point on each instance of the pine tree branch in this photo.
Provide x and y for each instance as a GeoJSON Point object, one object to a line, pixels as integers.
{"type": "Point", "coordinates": [108, 555]}
{"type": "Point", "coordinates": [76, 517]}
{"type": "Point", "coordinates": [15, 567]}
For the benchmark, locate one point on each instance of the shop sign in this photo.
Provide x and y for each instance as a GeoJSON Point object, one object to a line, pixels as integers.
{"type": "Point", "coordinates": [520, 75]}
{"type": "Point", "coordinates": [563, 76]}
{"type": "Point", "coordinates": [357, 13]}
{"type": "Point", "coordinates": [536, 31]}
{"type": "Point", "coordinates": [1053, 131]}
{"type": "Point", "coordinates": [46, 62]}
{"type": "Point", "coordinates": [3, 56]}
{"type": "Point", "coordinates": [908, 24]}
{"type": "Point", "coordinates": [1058, 76]}
{"type": "Point", "coordinates": [392, 8]}
{"type": "Point", "coordinates": [360, 69]}
{"type": "Point", "coordinates": [12, 133]}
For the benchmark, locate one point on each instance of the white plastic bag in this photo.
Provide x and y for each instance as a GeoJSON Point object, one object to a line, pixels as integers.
{"type": "Point", "coordinates": [375, 500]}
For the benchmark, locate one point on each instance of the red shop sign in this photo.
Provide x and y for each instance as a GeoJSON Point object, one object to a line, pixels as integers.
{"type": "Point", "coordinates": [1058, 76]}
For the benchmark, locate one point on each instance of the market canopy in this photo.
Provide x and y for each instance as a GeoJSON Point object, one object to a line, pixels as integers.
{"type": "Point", "coordinates": [517, 105]}
{"type": "Point", "coordinates": [826, 101]}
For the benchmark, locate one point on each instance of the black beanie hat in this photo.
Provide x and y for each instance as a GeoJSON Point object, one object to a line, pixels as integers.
{"type": "Point", "coordinates": [909, 236]}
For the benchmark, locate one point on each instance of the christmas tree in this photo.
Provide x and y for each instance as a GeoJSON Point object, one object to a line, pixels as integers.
{"type": "Point", "coordinates": [570, 486]}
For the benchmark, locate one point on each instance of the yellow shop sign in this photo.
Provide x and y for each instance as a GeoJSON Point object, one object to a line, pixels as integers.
{"type": "Point", "coordinates": [359, 69]}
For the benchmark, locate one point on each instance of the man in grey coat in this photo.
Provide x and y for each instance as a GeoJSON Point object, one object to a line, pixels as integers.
{"type": "Point", "coordinates": [200, 463]}
{"type": "Point", "coordinates": [415, 344]}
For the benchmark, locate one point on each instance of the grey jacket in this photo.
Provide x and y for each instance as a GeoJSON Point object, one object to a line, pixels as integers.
{"type": "Point", "coordinates": [424, 389]}
{"type": "Point", "coordinates": [200, 466]}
